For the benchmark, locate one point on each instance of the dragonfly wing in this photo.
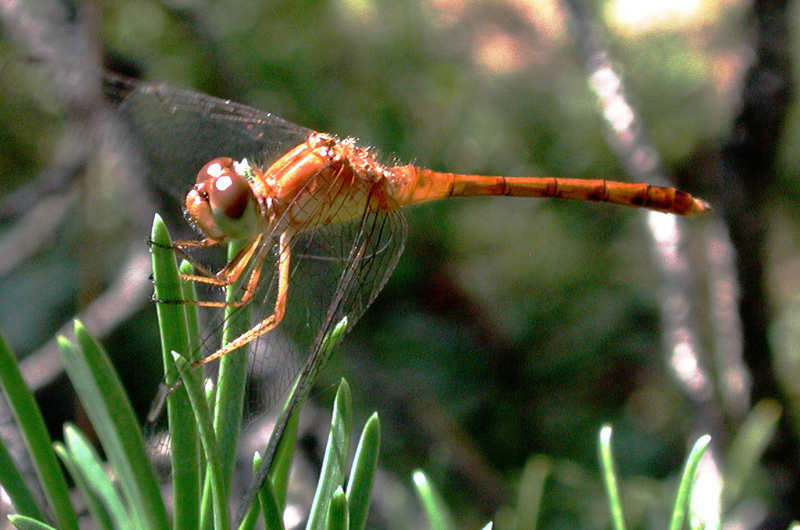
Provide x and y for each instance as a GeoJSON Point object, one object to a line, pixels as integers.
{"type": "Point", "coordinates": [338, 273]}
{"type": "Point", "coordinates": [178, 131]}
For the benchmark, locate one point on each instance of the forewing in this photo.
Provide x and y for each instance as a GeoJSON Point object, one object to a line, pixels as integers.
{"type": "Point", "coordinates": [357, 262]}
{"type": "Point", "coordinates": [178, 131]}
{"type": "Point", "coordinates": [336, 272]}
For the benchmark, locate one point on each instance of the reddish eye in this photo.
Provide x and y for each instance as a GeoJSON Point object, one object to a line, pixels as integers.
{"type": "Point", "coordinates": [214, 169]}
{"type": "Point", "coordinates": [229, 194]}
{"type": "Point", "coordinates": [221, 203]}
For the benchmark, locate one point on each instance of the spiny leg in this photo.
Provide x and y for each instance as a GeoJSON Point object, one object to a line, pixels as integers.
{"type": "Point", "coordinates": [179, 248]}
{"type": "Point", "coordinates": [279, 310]}
{"type": "Point", "coordinates": [232, 271]}
{"type": "Point", "coordinates": [229, 275]}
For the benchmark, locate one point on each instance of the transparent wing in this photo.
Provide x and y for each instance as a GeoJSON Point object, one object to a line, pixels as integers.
{"type": "Point", "coordinates": [178, 131]}
{"type": "Point", "coordinates": [344, 268]}
{"type": "Point", "coordinates": [336, 271]}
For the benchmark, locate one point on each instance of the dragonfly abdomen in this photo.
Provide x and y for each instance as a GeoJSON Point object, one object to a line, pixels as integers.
{"type": "Point", "coordinates": [425, 185]}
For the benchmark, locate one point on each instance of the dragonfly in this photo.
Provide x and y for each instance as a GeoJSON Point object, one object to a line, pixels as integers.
{"type": "Point", "coordinates": [319, 219]}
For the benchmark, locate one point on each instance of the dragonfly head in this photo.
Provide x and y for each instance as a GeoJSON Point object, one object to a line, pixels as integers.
{"type": "Point", "coordinates": [222, 203]}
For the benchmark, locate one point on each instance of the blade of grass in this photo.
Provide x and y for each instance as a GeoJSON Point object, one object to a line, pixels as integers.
{"type": "Point", "coordinates": [173, 322]}
{"type": "Point", "coordinates": [232, 379]}
{"type": "Point", "coordinates": [335, 461]}
{"type": "Point", "coordinates": [267, 504]}
{"type": "Point", "coordinates": [229, 392]}
{"type": "Point", "coordinates": [531, 491]}
{"type": "Point", "coordinates": [14, 484]}
{"type": "Point", "coordinates": [282, 463]}
{"type": "Point", "coordinates": [192, 319]}
{"type": "Point", "coordinates": [268, 501]}
{"type": "Point", "coordinates": [210, 451]}
{"type": "Point", "coordinates": [111, 414]}
{"type": "Point", "coordinates": [610, 477]}
{"type": "Point", "coordinates": [748, 447]}
{"type": "Point", "coordinates": [90, 469]}
{"type": "Point", "coordinates": [26, 523]}
{"type": "Point", "coordinates": [362, 473]}
{"type": "Point", "coordinates": [683, 498]}
{"type": "Point", "coordinates": [439, 517]}
{"type": "Point", "coordinates": [31, 424]}
{"type": "Point", "coordinates": [100, 516]}
{"type": "Point", "coordinates": [292, 405]}
{"type": "Point", "coordinates": [250, 520]}
{"type": "Point", "coordinates": [338, 512]}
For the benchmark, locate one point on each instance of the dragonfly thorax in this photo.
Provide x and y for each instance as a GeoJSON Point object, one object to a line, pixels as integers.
{"type": "Point", "coordinates": [322, 182]}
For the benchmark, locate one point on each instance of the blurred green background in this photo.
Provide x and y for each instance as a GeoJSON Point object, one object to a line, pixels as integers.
{"type": "Point", "coordinates": [511, 327]}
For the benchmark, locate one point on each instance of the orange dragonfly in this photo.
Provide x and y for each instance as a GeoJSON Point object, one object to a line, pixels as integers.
{"type": "Point", "coordinates": [326, 182]}
{"type": "Point", "coordinates": [320, 218]}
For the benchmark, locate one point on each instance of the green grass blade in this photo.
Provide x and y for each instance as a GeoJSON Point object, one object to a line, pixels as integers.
{"type": "Point", "coordinates": [531, 491]}
{"type": "Point", "coordinates": [14, 484]}
{"type": "Point", "coordinates": [610, 478]}
{"type": "Point", "coordinates": [267, 504]}
{"type": "Point", "coordinates": [210, 451]}
{"type": "Point", "coordinates": [282, 464]}
{"type": "Point", "coordinates": [34, 432]}
{"type": "Point", "coordinates": [684, 497]}
{"type": "Point", "coordinates": [90, 468]}
{"type": "Point", "coordinates": [229, 393]}
{"type": "Point", "coordinates": [268, 501]}
{"type": "Point", "coordinates": [111, 414]}
{"type": "Point", "coordinates": [173, 322]}
{"type": "Point", "coordinates": [338, 513]}
{"type": "Point", "coordinates": [232, 380]}
{"type": "Point", "coordinates": [27, 523]}
{"type": "Point", "coordinates": [250, 520]}
{"type": "Point", "coordinates": [362, 473]}
{"type": "Point", "coordinates": [748, 447]}
{"type": "Point", "coordinates": [334, 464]}
{"type": "Point", "coordinates": [101, 519]}
{"type": "Point", "coordinates": [192, 319]}
{"type": "Point", "coordinates": [297, 396]}
{"type": "Point", "coordinates": [439, 517]}
{"type": "Point", "coordinates": [208, 498]}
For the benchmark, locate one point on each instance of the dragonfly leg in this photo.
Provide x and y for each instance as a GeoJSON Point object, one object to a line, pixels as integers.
{"type": "Point", "coordinates": [249, 291]}
{"type": "Point", "coordinates": [181, 243]}
{"type": "Point", "coordinates": [231, 272]}
{"type": "Point", "coordinates": [269, 323]}
{"type": "Point", "coordinates": [179, 247]}
{"type": "Point", "coordinates": [225, 277]}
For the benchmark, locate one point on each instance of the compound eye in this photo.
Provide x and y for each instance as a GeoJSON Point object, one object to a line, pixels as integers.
{"type": "Point", "coordinates": [222, 204]}
{"type": "Point", "coordinates": [214, 169]}
{"type": "Point", "coordinates": [229, 194]}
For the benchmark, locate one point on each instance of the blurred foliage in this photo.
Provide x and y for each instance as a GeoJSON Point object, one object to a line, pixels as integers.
{"type": "Point", "coordinates": [511, 327]}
